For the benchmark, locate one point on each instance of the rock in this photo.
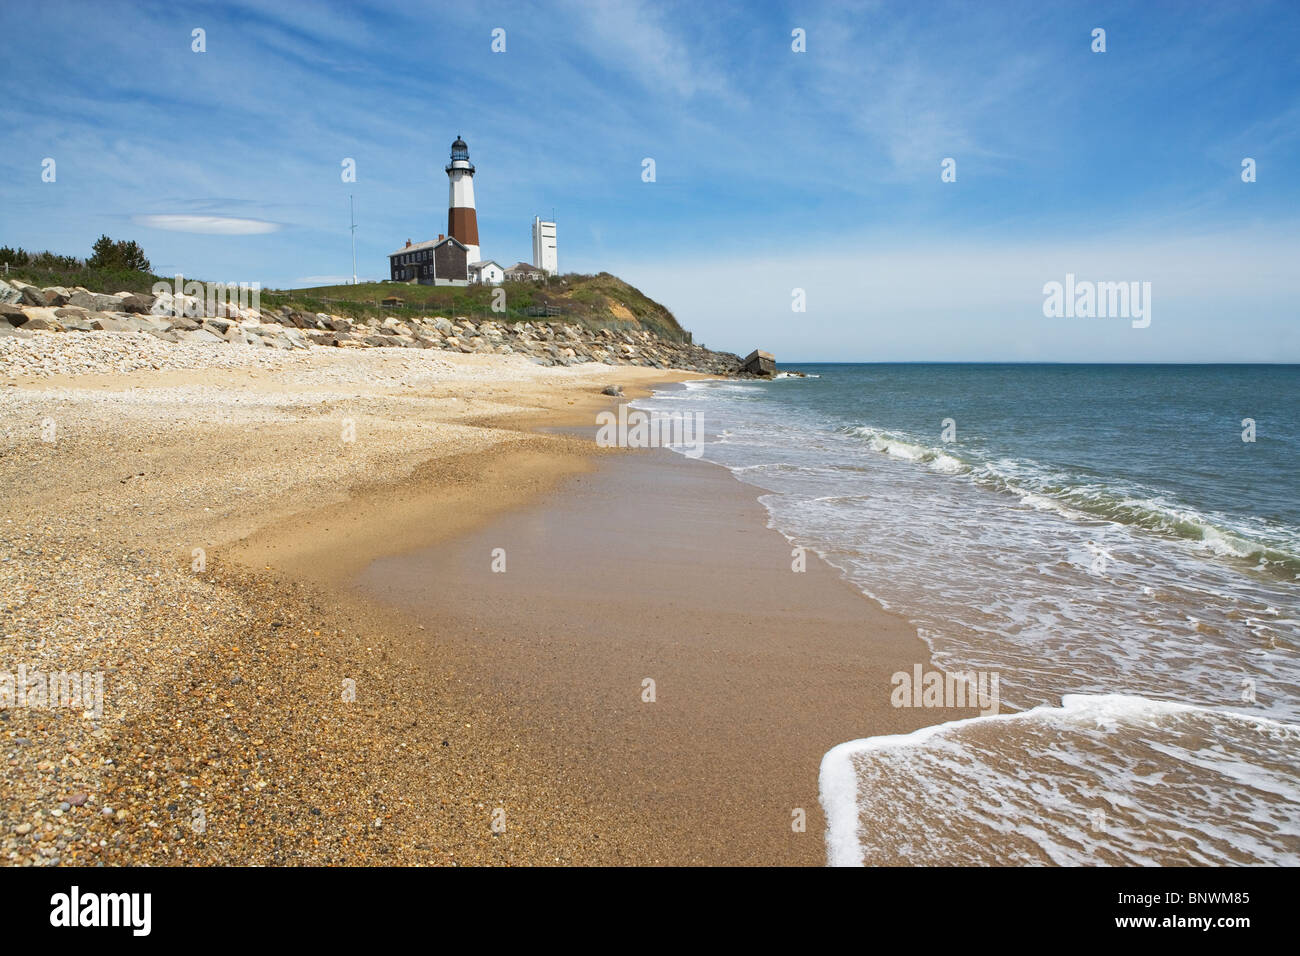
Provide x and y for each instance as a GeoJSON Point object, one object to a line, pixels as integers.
{"type": "Point", "coordinates": [9, 295]}
{"type": "Point", "coordinates": [148, 323]}
{"type": "Point", "coordinates": [442, 325]}
{"type": "Point", "coordinates": [612, 390]}
{"type": "Point", "coordinates": [200, 336]}
{"type": "Point", "coordinates": [12, 315]}
{"type": "Point", "coordinates": [39, 323]}
{"type": "Point", "coordinates": [8, 331]}
{"type": "Point", "coordinates": [78, 799]}
{"type": "Point", "coordinates": [96, 302]}
{"type": "Point", "coordinates": [163, 305]}
{"type": "Point", "coordinates": [190, 306]}
{"type": "Point", "coordinates": [137, 303]}
{"type": "Point", "coordinates": [182, 324]}
{"type": "Point", "coordinates": [23, 829]}
{"type": "Point", "coordinates": [32, 295]}
{"type": "Point", "coordinates": [759, 363]}
{"type": "Point", "coordinates": [56, 295]}
{"type": "Point", "coordinates": [109, 323]}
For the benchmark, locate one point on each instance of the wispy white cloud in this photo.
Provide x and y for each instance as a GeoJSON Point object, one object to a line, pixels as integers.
{"type": "Point", "coordinates": [208, 225]}
{"type": "Point", "coordinates": [636, 39]}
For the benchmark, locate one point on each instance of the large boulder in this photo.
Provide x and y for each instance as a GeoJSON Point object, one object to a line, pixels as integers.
{"type": "Point", "coordinates": [56, 295]}
{"type": "Point", "coordinates": [137, 303]}
{"type": "Point", "coordinates": [178, 305]}
{"type": "Point", "coordinates": [200, 336]}
{"type": "Point", "coordinates": [149, 323]}
{"type": "Point", "coordinates": [32, 295]}
{"type": "Point", "coordinates": [190, 306]}
{"type": "Point", "coordinates": [11, 315]}
{"type": "Point", "coordinates": [111, 323]}
{"type": "Point", "coordinates": [96, 302]}
{"type": "Point", "coordinates": [758, 363]}
{"type": "Point", "coordinates": [9, 295]}
{"type": "Point", "coordinates": [163, 304]}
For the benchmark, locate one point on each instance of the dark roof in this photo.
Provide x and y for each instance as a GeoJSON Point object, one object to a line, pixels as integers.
{"type": "Point", "coordinates": [525, 267]}
{"type": "Point", "coordinates": [427, 244]}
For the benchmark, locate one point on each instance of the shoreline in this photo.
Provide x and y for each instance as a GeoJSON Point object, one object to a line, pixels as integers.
{"type": "Point", "coordinates": [226, 689]}
{"type": "Point", "coordinates": [758, 670]}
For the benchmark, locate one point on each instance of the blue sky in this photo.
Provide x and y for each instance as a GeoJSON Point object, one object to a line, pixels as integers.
{"type": "Point", "coordinates": [775, 170]}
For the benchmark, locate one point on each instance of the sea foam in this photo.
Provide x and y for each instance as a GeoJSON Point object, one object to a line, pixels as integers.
{"type": "Point", "coordinates": [1112, 779]}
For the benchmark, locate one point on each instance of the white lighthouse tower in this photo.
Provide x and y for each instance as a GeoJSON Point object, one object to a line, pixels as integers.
{"type": "Point", "coordinates": [462, 220]}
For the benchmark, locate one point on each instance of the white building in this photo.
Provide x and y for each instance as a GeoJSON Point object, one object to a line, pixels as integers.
{"type": "Point", "coordinates": [545, 256]}
{"type": "Point", "coordinates": [486, 272]}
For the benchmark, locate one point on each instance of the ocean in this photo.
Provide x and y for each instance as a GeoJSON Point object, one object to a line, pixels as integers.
{"type": "Point", "coordinates": [1120, 545]}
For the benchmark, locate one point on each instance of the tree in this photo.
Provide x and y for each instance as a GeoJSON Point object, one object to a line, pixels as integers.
{"type": "Point", "coordinates": [123, 254]}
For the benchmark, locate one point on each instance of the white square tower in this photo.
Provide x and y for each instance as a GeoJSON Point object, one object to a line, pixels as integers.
{"type": "Point", "coordinates": [545, 255]}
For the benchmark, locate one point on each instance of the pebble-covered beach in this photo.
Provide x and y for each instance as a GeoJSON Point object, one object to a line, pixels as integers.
{"type": "Point", "coordinates": [247, 718]}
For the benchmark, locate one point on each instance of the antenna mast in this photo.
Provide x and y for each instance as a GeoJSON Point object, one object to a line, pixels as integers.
{"type": "Point", "coordinates": [353, 218]}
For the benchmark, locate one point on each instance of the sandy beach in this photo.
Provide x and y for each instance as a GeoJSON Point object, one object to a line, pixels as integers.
{"type": "Point", "coordinates": [282, 567]}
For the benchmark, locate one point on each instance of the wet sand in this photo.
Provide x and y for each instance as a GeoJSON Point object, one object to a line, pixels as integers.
{"type": "Point", "coordinates": [656, 567]}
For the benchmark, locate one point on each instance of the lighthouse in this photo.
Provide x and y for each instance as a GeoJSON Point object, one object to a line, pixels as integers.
{"type": "Point", "coordinates": [462, 221]}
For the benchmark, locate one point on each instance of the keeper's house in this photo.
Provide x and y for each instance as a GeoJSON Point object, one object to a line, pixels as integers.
{"type": "Point", "coordinates": [441, 261]}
